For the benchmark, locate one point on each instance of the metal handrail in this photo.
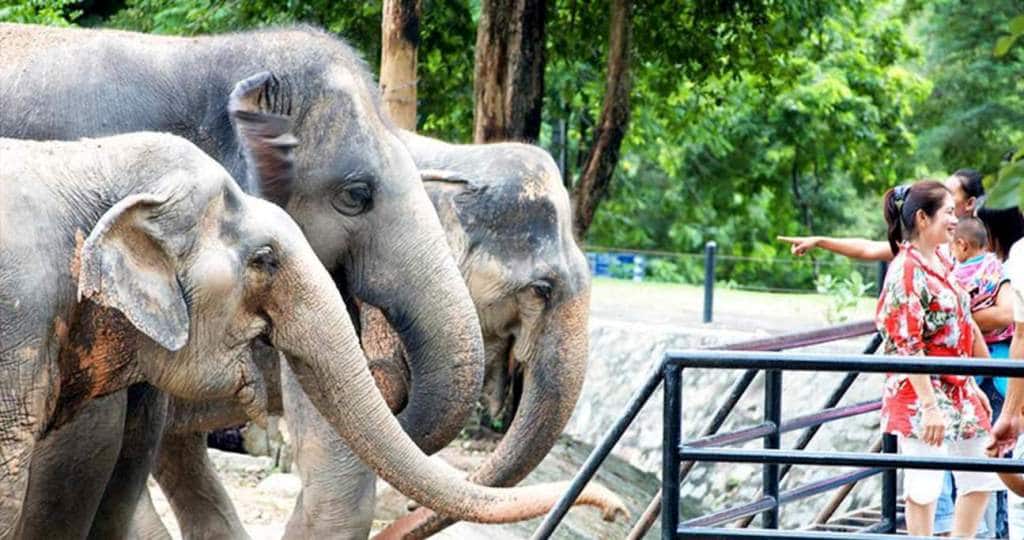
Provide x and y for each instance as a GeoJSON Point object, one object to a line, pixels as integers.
{"type": "Point", "coordinates": [771, 457]}
{"type": "Point", "coordinates": [612, 436]}
{"type": "Point", "coordinates": [791, 341]}
{"type": "Point", "coordinates": [714, 359]}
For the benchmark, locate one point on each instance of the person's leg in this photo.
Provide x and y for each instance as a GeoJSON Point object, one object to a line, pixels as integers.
{"type": "Point", "coordinates": [1002, 516]}
{"type": "Point", "coordinates": [973, 488]}
{"type": "Point", "coordinates": [943, 522]}
{"type": "Point", "coordinates": [919, 517]}
{"type": "Point", "coordinates": [921, 488]}
{"type": "Point", "coordinates": [970, 509]}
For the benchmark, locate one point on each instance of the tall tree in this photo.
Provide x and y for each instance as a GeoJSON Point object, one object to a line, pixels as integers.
{"type": "Point", "coordinates": [400, 36]}
{"type": "Point", "coordinates": [975, 113]}
{"type": "Point", "coordinates": [596, 173]}
{"type": "Point", "coordinates": [508, 81]}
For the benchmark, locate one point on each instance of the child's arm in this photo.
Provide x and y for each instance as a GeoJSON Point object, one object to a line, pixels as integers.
{"type": "Point", "coordinates": [999, 315]}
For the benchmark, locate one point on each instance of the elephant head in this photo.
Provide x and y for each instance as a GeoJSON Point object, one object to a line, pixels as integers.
{"type": "Point", "coordinates": [356, 194]}
{"type": "Point", "coordinates": [507, 218]}
{"type": "Point", "coordinates": [359, 201]}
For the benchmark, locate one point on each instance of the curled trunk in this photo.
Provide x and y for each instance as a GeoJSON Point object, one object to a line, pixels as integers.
{"type": "Point", "coordinates": [332, 370]}
{"type": "Point", "coordinates": [552, 385]}
{"type": "Point", "coordinates": [420, 291]}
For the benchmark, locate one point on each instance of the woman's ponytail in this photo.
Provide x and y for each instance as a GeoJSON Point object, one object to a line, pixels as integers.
{"type": "Point", "coordinates": [893, 218]}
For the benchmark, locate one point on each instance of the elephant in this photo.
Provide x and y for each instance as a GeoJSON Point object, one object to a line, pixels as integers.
{"type": "Point", "coordinates": [138, 258]}
{"type": "Point", "coordinates": [356, 196]}
{"type": "Point", "coordinates": [506, 216]}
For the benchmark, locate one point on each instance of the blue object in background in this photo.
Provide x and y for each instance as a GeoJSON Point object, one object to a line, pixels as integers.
{"type": "Point", "coordinates": [617, 265]}
{"type": "Point", "coordinates": [638, 268]}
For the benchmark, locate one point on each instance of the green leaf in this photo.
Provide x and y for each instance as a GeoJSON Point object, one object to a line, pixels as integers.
{"type": "Point", "coordinates": [1017, 25]}
{"type": "Point", "coordinates": [1005, 194]}
{"type": "Point", "coordinates": [1003, 45]}
{"type": "Point", "coordinates": [1008, 189]}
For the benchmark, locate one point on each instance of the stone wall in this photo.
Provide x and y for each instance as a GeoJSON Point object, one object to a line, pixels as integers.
{"type": "Point", "coordinates": [623, 354]}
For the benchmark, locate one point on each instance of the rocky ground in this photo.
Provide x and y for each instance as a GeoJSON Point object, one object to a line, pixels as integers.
{"type": "Point", "coordinates": [631, 327]}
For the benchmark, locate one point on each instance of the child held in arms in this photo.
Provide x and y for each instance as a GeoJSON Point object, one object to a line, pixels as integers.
{"type": "Point", "coordinates": [980, 273]}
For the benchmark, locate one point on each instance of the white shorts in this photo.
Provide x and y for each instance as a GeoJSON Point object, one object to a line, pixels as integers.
{"type": "Point", "coordinates": [923, 486]}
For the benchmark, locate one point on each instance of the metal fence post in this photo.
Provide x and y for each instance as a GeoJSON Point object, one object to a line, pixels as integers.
{"type": "Point", "coordinates": [709, 278]}
{"type": "Point", "coordinates": [772, 441]}
{"type": "Point", "coordinates": [671, 439]}
{"type": "Point", "coordinates": [889, 487]}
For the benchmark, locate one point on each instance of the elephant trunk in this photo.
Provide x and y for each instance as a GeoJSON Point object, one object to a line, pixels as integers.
{"type": "Point", "coordinates": [311, 326]}
{"type": "Point", "coordinates": [425, 300]}
{"type": "Point", "coordinates": [552, 384]}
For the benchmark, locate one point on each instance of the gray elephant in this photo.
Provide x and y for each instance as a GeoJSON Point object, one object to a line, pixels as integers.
{"type": "Point", "coordinates": [506, 215]}
{"type": "Point", "coordinates": [161, 269]}
{"type": "Point", "coordinates": [357, 195]}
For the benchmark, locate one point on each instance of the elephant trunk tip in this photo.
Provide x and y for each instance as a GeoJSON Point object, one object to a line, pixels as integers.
{"type": "Point", "coordinates": [424, 522]}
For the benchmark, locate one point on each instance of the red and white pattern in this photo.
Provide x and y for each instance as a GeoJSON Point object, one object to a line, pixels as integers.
{"type": "Point", "coordinates": [923, 311]}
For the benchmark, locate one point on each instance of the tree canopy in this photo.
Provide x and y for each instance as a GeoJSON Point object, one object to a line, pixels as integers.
{"type": "Point", "coordinates": [747, 119]}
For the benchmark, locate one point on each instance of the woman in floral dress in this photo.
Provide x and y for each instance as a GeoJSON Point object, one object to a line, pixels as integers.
{"type": "Point", "coordinates": [923, 311]}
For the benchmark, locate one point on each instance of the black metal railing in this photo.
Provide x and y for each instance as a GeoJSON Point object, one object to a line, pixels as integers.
{"type": "Point", "coordinates": [733, 396]}
{"type": "Point", "coordinates": [776, 462]}
{"type": "Point", "coordinates": [771, 457]}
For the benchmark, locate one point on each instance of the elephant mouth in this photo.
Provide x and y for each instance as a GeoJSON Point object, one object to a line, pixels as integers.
{"type": "Point", "coordinates": [502, 402]}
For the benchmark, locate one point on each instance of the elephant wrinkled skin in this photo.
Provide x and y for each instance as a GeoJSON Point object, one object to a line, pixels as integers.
{"type": "Point", "coordinates": [357, 196]}
{"type": "Point", "coordinates": [178, 273]}
{"type": "Point", "coordinates": [506, 216]}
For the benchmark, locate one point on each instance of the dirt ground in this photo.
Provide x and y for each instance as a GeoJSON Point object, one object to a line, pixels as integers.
{"type": "Point", "coordinates": [264, 497]}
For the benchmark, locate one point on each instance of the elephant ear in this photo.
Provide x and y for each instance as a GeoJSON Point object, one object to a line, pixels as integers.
{"type": "Point", "coordinates": [259, 108]}
{"type": "Point", "coordinates": [127, 265]}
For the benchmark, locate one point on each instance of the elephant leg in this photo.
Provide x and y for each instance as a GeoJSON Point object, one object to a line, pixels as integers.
{"type": "Point", "coordinates": [144, 423]}
{"type": "Point", "coordinates": [338, 490]}
{"type": "Point", "coordinates": [190, 482]}
{"type": "Point", "coordinates": [146, 523]}
{"type": "Point", "coordinates": [70, 470]}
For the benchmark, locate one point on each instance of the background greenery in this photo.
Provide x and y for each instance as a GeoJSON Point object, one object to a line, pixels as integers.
{"type": "Point", "coordinates": [749, 119]}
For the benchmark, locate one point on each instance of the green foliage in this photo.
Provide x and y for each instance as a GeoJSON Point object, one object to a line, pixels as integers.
{"type": "Point", "coordinates": [976, 110]}
{"type": "Point", "coordinates": [749, 119]}
{"type": "Point", "coordinates": [843, 294]}
{"type": "Point", "coordinates": [48, 12]}
{"type": "Point", "coordinates": [1004, 43]}
{"type": "Point", "coordinates": [802, 147]}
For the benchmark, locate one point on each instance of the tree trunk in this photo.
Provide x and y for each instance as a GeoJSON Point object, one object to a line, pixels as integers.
{"type": "Point", "coordinates": [596, 173]}
{"type": "Point", "coordinates": [400, 35]}
{"type": "Point", "coordinates": [508, 84]}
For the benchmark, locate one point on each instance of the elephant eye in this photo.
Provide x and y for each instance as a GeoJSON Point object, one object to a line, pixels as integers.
{"type": "Point", "coordinates": [264, 259]}
{"type": "Point", "coordinates": [353, 198]}
{"type": "Point", "coordinates": [542, 289]}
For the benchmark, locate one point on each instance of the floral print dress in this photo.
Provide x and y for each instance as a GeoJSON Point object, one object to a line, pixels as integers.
{"type": "Point", "coordinates": [923, 311]}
